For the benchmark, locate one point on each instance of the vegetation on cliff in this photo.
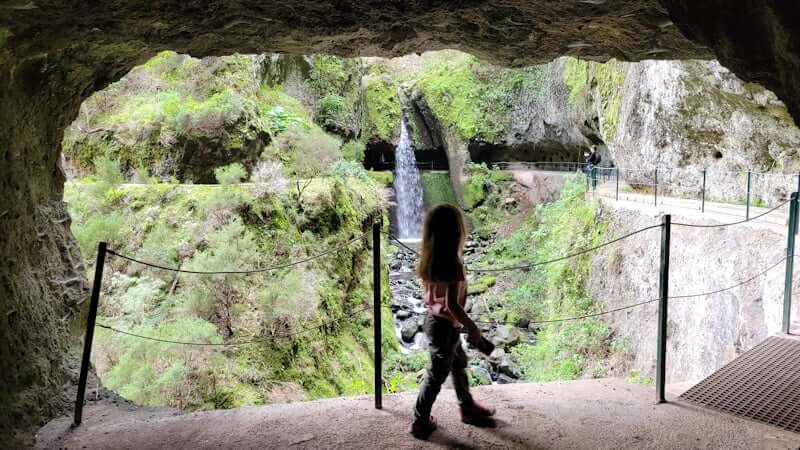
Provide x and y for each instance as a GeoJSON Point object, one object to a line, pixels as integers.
{"type": "Point", "coordinates": [564, 350]}
{"type": "Point", "coordinates": [309, 322]}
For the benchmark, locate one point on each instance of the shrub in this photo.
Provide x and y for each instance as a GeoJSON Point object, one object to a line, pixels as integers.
{"type": "Point", "coordinates": [353, 151]}
{"type": "Point", "coordinates": [289, 302]}
{"type": "Point", "coordinates": [268, 179]}
{"type": "Point", "coordinates": [230, 174]}
{"type": "Point", "coordinates": [382, 107]}
{"type": "Point", "coordinates": [101, 227]}
{"type": "Point", "coordinates": [330, 111]}
{"type": "Point", "coordinates": [349, 169]}
{"type": "Point", "coordinates": [108, 170]}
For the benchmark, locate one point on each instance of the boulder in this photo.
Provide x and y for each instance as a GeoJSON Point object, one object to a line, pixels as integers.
{"type": "Point", "coordinates": [408, 328]}
{"type": "Point", "coordinates": [508, 367]}
{"type": "Point", "coordinates": [504, 379]}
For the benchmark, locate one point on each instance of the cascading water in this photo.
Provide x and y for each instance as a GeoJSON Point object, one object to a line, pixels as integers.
{"type": "Point", "coordinates": [407, 188]}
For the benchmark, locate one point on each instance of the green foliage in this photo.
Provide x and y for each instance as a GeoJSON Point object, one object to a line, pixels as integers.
{"type": "Point", "coordinates": [354, 151]}
{"type": "Point", "coordinates": [331, 110]}
{"type": "Point", "coordinates": [610, 79]}
{"type": "Point", "coordinates": [279, 120]}
{"type": "Point", "coordinates": [348, 169]}
{"type": "Point", "coordinates": [108, 171]}
{"type": "Point", "coordinates": [475, 193]}
{"type": "Point", "coordinates": [556, 290]}
{"type": "Point", "coordinates": [383, 178]}
{"type": "Point", "coordinates": [474, 98]}
{"type": "Point", "coordinates": [484, 198]}
{"type": "Point", "coordinates": [172, 98]}
{"type": "Point", "coordinates": [108, 228]}
{"type": "Point", "coordinates": [575, 77]}
{"type": "Point", "coordinates": [437, 188]}
{"type": "Point", "coordinates": [335, 82]}
{"type": "Point", "coordinates": [230, 174]}
{"type": "Point", "coordinates": [155, 373]}
{"type": "Point", "coordinates": [382, 107]}
{"type": "Point", "coordinates": [209, 228]}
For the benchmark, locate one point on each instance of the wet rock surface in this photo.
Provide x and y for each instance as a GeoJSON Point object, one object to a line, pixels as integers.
{"type": "Point", "coordinates": [408, 309]}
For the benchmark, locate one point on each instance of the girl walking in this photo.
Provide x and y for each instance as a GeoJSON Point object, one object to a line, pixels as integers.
{"type": "Point", "coordinates": [445, 290]}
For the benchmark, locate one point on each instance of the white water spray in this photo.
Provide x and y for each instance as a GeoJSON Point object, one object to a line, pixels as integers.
{"type": "Point", "coordinates": [407, 188]}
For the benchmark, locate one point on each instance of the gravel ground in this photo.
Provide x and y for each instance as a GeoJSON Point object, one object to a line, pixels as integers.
{"type": "Point", "coordinates": [596, 414]}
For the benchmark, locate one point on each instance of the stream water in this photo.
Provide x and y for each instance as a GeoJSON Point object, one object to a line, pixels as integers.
{"type": "Point", "coordinates": [407, 188]}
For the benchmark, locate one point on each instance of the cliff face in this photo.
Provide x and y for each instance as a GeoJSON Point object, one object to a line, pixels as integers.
{"type": "Point", "coordinates": [686, 116]}
{"type": "Point", "coordinates": [703, 333]}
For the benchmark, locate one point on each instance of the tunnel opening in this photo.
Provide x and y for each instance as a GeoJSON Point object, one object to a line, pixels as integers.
{"type": "Point", "coordinates": [43, 85]}
{"type": "Point", "coordinates": [379, 155]}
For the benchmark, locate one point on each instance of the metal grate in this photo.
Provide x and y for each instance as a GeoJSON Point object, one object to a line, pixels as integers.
{"type": "Point", "coordinates": [763, 384]}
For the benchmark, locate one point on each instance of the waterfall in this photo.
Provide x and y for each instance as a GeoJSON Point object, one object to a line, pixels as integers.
{"type": "Point", "coordinates": [407, 187]}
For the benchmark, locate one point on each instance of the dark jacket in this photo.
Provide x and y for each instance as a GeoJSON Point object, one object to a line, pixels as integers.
{"type": "Point", "coordinates": [594, 159]}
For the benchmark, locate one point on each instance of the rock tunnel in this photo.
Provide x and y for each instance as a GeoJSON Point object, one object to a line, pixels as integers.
{"type": "Point", "coordinates": [53, 55]}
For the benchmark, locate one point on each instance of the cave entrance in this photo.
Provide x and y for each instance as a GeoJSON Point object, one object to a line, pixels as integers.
{"type": "Point", "coordinates": [379, 155]}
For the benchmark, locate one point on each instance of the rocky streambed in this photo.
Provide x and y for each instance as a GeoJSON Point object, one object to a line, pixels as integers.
{"type": "Point", "coordinates": [408, 310]}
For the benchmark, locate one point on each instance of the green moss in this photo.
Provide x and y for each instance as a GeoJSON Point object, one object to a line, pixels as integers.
{"type": "Point", "coordinates": [575, 77]}
{"type": "Point", "coordinates": [383, 178]}
{"type": "Point", "coordinates": [556, 290]}
{"type": "Point", "coordinates": [482, 285]}
{"type": "Point", "coordinates": [436, 189]}
{"type": "Point", "coordinates": [610, 78]}
{"type": "Point", "coordinates": [475, 192]}
{"type": "Point", "coordinates": [473, 98]}
{"type": "Point", "coordinates": [382, 107]}
{"type": "Point", "coordinates": [211, 228]}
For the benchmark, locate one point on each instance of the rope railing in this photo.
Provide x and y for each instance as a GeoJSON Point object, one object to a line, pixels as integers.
{"type": "Point", "coordinates": [671, 297]}
{"type": "Point", "coordinates": [242, 272]}
{"type": "Point", "coordinates": [695, 225]}
{"type": "Point", "coordinates": [604, 173]}
{"type": "Point", "coordinates": [542, 263]}
{"type": "Point", "coordinates": [235, 343]}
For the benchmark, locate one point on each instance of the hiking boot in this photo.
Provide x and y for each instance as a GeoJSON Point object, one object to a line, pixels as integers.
{"type": "Point", "coordinates": [476, 414]}
{"type": "Point", "coordinates": [423, 427]}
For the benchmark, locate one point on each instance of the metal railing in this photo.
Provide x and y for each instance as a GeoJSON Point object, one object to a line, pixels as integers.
{"type": "Point", "coordinates": [663, 293]}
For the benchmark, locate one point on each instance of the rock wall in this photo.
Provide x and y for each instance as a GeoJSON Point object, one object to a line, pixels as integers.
{"type": "Point", "coordinates": [703, 333]}
{"type": "Point", "coordinates": [684, 116]}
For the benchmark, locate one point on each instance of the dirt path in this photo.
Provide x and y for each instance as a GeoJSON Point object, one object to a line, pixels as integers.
{"type": "Point", "coordinates": [595, 414]}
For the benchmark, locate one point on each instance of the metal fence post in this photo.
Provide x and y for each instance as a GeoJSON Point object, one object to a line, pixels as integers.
{"type": "Point", "coordinates": [703, 193]}
{"type": "Point", "coordinates": [747, 208]}
{"type": "Point", "coordinates": [617, 183]}
{"type": "Point", "coordinates": [655, 188]}
{"type": "Point", "coordinates": [787, 284]}
{"type": "Point", "coordinates": [376, 311]}
{"type": "Point", "coordinates": [798, 190]}
{"type": "Point", "coordinates": [663, 293]}
{"type": "Point", "coordinates": [94, 301]}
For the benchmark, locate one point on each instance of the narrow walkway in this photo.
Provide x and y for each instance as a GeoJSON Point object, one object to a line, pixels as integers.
{"type": "Point", "coordinates": [714, 211]}
{"type": "Point", "coordinates": [590, 414]}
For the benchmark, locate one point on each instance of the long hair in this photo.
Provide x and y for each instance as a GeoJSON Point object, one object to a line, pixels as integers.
{"type": "Point", "coordinates": [443, 238]}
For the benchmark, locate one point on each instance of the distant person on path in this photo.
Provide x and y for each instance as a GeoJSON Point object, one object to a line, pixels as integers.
{"type": "Point", "coordinates": [445, 290]}
{"type": "Point", "coordinates": [592, 160]}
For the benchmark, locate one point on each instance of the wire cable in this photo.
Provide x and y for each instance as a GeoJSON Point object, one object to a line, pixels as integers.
{"type": "Point", "coordinates": [585, 316]}
{"type": "Point", "coordinates": [542, 263]}
{"type": "Point", "coordinates": [563, 258]}
{"type": "Point", "coordinates": [242, 272]}
{"type": "Point", "coordinates": [671, 297]}
{"type": "Point", "coordinates": [741, 283]}
{"type": "Point", "coordinates": [234, 343]}
{"type": "Point", "coordinates": [694, 225]}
